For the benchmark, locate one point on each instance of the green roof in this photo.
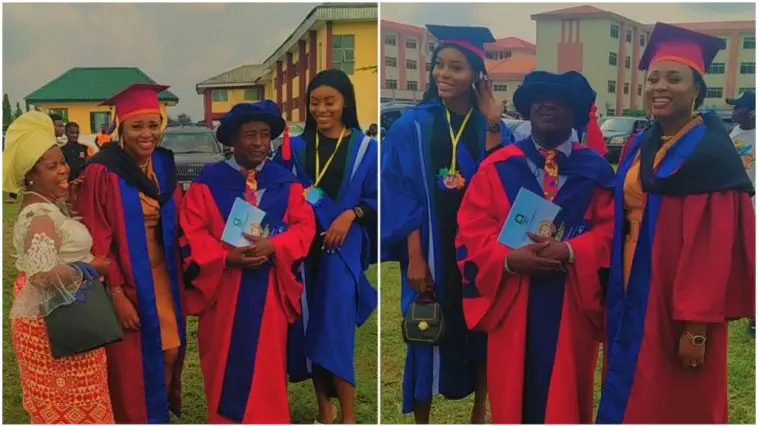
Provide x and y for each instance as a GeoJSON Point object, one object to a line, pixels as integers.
{"type": "Point", "coordinates": [93, 84]}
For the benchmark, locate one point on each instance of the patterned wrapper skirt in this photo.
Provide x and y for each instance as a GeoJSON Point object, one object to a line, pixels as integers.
{"type": "Point", "coordinates": [70, 390]}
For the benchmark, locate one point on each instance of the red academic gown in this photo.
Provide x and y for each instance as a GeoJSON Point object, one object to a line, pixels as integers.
{"type": "Point", "coordinates": [499, 303]}
{"type": "Point", "coordinates": [244, 317]}
{"type": "Point", "coordinates": [112, 212]}
{"type": "Point", "coordinates": [696, 264]}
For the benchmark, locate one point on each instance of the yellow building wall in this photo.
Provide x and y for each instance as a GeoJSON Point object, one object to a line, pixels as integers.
{"type": "Point", "coordinates": [234, 97]}
{"type": "Point", "coordinates": [80, 113]}
{"type": "Point", "coordinates": [364, 81]}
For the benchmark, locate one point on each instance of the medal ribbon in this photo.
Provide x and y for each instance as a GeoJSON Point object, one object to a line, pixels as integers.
{"type": "Point", "coordinates": [455, 138]}
{"type": "Point", "coordinates": [320, 173]}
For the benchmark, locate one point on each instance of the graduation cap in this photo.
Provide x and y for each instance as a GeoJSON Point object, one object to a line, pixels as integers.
{"type": "Point", "coordinates": [672, 43]}
{"type": "Point", "coordinates": [744, 100]}
{"type": "Point", "coordinates": [469, 38]}
{"type": "Point", "coordinates": [139, 98]}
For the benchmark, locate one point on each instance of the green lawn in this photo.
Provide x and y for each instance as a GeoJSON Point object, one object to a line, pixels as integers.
{"type": "Point", "coordinates": [741, 367]}
{"type": "Point", "coordinates": [302, 398]}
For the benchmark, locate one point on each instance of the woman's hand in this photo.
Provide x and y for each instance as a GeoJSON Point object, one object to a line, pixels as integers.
{"type": "Point", "coordinates": [125, 311]}
{"type": "Point", "coordinates": [100, 264]}
{"type": "Point", "coordinates": [690, 355]}
{"type": "Point", "coordinates": [419, 276]}
{"type": "Point", "coordinates": [334, 237]}
{"type": "Point", "coordinates": [488, 105]}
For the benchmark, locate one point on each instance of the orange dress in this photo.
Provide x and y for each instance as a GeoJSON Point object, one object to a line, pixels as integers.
{"type": "Point", "coordinates": [635, 198]}
{"type": "Point", "coordinates": [163, 298]}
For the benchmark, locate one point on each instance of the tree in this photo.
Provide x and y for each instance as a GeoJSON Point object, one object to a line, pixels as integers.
{"type": "Point", "coordinates": [373, 68]}
{"type": "Point", "coordinates": [635, 112]}
{"type": "Point", "coordinates": [18, 112]}
{"type": "Point", "coordinates": [7, 117]}
{"type": "Point", "coordinates": [171, 121]}
{"type": "Point", "coordinates": [184, 120]}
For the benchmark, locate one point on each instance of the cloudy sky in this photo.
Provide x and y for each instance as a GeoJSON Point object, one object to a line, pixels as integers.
{"type": "Point", "coordinates": [509, 19]}
{"type": "Point", "coordinates": [175, 44]}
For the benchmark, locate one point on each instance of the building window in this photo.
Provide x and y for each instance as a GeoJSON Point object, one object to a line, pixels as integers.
{"type": "Point", "coordinates": [628, 62]}
{"type": "Point", "coordinates": [610, 112]}
{"type": "Point", "coordinates": [747, 68]}
{"type": "Point", "coordinates": [642, 40]}
{"type": "Point", "coordinates": [614, 31]}
{"type": "Point", "coordinates": [500, 87]}
{"type": "Point", "coordinates": [626, 88]}
{"type": "Point", "coordinates": [63, 112]}
{"type": "Point", "coordinates": [97, 119]}
{"type": "Point", "coordinates": [611, 86]}
{"type": "Point", "coordinates": [412, 85]}
{"type": "Point", "coordinates": [639, 90]}
{"type": "Point", "coordinates": [411, 43]}
{"type": "Point", "coordinates": [343, 53]}
{"type": "Point", "coordinates": [612, 59]}
{"type": "Point", "coordinates": [411, 64]}
{"type": "Point", "coordinates": [716, 68]}
{"type": "Point", "coordinates": [748, 42]}
{"type": "Point", "coordinates": [390, 61]}
{"type": "Point", "coordinates": [745, 89]}
{"type": "Point", "coordinates": [628, 36]}
{"type": "Point", "coordinates": [390, 84]}
{"type": "Point", "coordinates": [428, 66]}
{"type": "Point", "coordinates": [251, 95]}
{"type": "Point", "coordinates": [714, 92]}
{"type": "Point", "coordinates": [220, 95]}
{"type": "Point", "coordinates": [390, 40]}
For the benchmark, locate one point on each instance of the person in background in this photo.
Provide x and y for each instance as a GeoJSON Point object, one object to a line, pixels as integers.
{"type": "Point", "coordinates": [743, 136]}
{"type": "Point", "coordinates": [541, 304]}
{"type": "Point", "coordinates": [428, 158]}
{"type": "Point", "coordinates": [337, 162]}
{"type": "Point", "coordinates": [129, 200]}
{"type": "Point", "coordinates": [51, 249]}
{"type": "Point", "coordinates": [105, 135]}
{"type": "Point", "coordinates": [60, 134]}
{"type": "Point", "coordinates": [683, 257]}
{"type": "Point", "coordinates": [76, 153]}
{"type": "Point", "coordinates": [245, 296]}
{"type": "Point", "coordinates": [372, 131]}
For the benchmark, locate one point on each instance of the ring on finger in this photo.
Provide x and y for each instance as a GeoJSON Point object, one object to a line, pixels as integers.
{"type": "Point", "coordinates": [693, 364]}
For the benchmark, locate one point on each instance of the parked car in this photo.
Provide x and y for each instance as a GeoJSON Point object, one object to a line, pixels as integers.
{"type": "Point", "coordinates": [391, 111]}
{"type": "Point", "coordinates": [194, 147]}
{"type": "Point", "coordinates": [616, 131]}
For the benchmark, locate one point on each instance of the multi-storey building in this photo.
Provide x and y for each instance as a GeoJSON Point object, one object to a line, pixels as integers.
{"type": "Point", "coordinates": [606, 47]}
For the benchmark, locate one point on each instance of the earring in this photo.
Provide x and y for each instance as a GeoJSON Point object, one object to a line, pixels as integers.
{"type": "Point", "coordinates": [694, 107]}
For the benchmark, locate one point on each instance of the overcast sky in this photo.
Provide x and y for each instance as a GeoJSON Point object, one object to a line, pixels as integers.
{"type": "Point", "coordinates": [509, 19]}
{"type": "Point", "coordinates": [175, 44]}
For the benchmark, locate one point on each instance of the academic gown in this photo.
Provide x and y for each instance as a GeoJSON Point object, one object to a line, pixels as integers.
{"type": "Point", "coordinates": [338, 296]}
{"type": "Point", "coordinates": [111, 210]}
{"type": "Point", "coordinates": [412, 153]}
{"type": "Point", "coordinates": [543, 331]}
{"type": "Point", "coordinates": [244, 314]}
{"type": "Point", "coordinates": [694, 261]}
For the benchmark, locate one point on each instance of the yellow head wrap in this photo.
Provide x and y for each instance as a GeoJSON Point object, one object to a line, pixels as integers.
{"type": "Point", "coordinates": [28, 138]}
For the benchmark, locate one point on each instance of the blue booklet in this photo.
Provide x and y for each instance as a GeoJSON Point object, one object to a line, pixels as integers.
{"type": "Point", "coordinates": [246, 218]}
{"type": "Point", "coordinates": [529, 213]}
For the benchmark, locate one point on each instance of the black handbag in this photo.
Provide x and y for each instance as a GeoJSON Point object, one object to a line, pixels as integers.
{"type": "Point", "coordinates": [424, 323]}
{"type": "Point", "coordinates": [88, 323]}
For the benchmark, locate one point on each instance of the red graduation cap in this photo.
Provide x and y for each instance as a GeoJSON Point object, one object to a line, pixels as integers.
{"type": "Point", "coordinates": [139, 98]}
{"type": "Point", "coordinates": [470, 38]}
{"type": "Point", "coordinates": [672, 43]}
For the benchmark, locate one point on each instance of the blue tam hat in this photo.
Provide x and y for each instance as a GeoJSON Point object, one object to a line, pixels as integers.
{"type": "Point", "coordinates": [744, 100]}
{"type": "Point", "coordinates": [570, 87]}
{"type": "Point", "coordinates": [266, 111]}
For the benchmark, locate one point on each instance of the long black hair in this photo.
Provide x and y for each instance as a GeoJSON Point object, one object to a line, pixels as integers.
{"type": "Point", "coordinates": [475, 61]}
{"type": "Point", "coordinates": [698, 79]}
{"type": "Point", "coordinates": [339, 81]}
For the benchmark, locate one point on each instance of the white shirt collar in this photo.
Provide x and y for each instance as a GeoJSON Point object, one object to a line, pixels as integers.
{"type": "Point", "coordinates": [236, 166]}
{"type": "Point", "coordinates": [564, 148]}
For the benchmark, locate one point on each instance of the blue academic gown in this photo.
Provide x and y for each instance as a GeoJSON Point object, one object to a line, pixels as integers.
{"type": "Point", "coordinates": [409, 184]}
{"type": "Point", "coordinates": [340, 297]}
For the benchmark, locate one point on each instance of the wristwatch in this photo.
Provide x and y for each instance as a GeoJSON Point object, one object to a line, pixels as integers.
{"type": "Point", "coordinates": [358, 212]}
{"type": "Point", "coordinates": [696, 339]}
{"type": "Point", "coordinates": [493, 126]}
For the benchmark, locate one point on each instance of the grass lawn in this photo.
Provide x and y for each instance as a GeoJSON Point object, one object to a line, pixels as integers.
{"type": "Point", "coordinates": [741, 367]}
{"type": "Point", "coordinates": [301, 396]}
